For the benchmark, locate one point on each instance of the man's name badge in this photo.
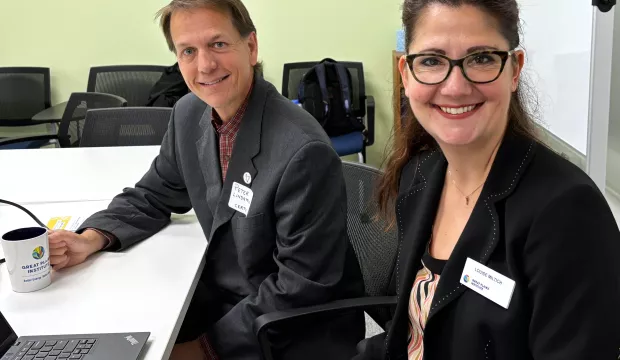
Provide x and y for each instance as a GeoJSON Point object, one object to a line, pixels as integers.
{"type": "Point", "coordinates": [240, 198]}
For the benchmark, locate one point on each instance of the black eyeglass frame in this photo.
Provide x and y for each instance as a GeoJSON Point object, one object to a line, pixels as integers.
{"type": "Point", "coordinates": [504, 55]}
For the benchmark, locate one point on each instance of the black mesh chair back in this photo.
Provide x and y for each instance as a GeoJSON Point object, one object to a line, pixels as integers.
{"type": "Point", "coordinates": [129, 126]}
{"type": "Point", "coordinates": [376, 251]}
{"type": "Point", "coordinates": [294, 72]}
{"type": "Point", "coordinates": [131, 82]}
{"type": "Point", "coordinates": [375, 246]}
{"type": "Point", "coordinates": [72, 123]}
{"type": "Point", "coordinates": [24, 92]}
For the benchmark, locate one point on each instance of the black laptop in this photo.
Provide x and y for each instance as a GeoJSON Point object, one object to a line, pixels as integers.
{"type": "Point", "coordinates": [125, 346]}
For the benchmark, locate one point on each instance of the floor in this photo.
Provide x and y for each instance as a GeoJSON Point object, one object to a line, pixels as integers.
{"type": "Point", "coordinates": [372, 328]}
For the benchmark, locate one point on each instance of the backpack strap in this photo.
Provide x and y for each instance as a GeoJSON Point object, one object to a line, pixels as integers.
{"type": "Point", "coordinates": [301, 94]}
{"type": "Point", "coordinates": [320, 74]}
{"type": "Point", "coordinates": [345, 89]}
{"type": "Point", "coordinates": [343, 79]}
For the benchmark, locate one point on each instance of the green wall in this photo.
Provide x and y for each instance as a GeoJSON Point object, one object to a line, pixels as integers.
{"type": "Point", "coordinates": [70, 36]}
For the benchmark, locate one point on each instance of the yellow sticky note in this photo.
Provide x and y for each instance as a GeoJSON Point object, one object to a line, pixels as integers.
{"type": "Point", "coordinates": [70, 223]}
{"type": "Point", "coordinates": [59, 222]}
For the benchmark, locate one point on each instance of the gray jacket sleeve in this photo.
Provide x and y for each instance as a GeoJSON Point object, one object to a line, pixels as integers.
{"type": "Point", "coordinates": [143, 210]}
{"type": "Point", "coordinates": [310, 208]}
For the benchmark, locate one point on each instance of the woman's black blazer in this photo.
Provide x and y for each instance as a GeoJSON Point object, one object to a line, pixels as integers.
{"type": "Point", "coordinates": [541, 222]}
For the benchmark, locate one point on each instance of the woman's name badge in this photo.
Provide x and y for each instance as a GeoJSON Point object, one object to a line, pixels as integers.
{"type": "Point", "coordinates": [488, 282]}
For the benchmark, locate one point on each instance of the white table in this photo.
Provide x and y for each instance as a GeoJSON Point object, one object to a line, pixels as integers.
{"type": "Point", "coordinates": [73, 174]}
{"type": "Point", "coordinates": [146, 288]}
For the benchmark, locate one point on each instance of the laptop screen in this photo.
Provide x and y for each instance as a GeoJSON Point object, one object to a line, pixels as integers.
{"type": "Point", "coordinates": [7, 336]}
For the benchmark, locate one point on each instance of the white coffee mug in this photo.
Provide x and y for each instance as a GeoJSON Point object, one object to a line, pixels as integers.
{"type": "Point", "coordinates": [27, 258]}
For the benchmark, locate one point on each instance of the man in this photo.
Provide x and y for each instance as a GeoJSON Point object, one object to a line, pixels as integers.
{"type": "Point", "coordinates": [265, 184]}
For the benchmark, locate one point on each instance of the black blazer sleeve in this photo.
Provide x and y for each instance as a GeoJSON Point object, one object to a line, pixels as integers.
{"type": "Point", "coordinates": [143, 210]}
{"type": "Point", "coordinates": [577, 227]}
{"type": "Point", "coordinates": [373, 348]}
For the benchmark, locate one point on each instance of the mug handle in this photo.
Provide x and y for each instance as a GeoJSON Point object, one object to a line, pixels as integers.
{"type": "Point", "coordinates": [10, 252]}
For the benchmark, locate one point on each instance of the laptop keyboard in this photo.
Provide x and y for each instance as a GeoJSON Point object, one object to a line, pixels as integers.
{"type": "Point", "coordinates": [53, 350]}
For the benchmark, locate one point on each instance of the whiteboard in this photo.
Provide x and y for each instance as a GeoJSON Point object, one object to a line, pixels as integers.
{"type": "Point", "coordinates": [557, 38]}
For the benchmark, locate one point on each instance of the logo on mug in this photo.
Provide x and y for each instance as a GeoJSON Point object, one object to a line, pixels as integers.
{"type": "Point", "coordinates": [38, 252]}
{"type": "Point", "coordinates": [466, 278]}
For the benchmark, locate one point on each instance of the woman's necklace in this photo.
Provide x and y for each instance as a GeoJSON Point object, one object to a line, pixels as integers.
{"type": "Point", "coordinates": [462, 193]}
{"type": "Point", "coordinates": [486, 168]}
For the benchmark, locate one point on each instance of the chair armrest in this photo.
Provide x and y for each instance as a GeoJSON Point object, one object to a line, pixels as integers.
{"type": "Point", "coordinates": [269, 320]}
{"type": "Point", "coordinates": [16, 140]}
{"type": "Point", "coordinates": [25, 122]}
{"type": "Point", "coordinates": [370, 120]}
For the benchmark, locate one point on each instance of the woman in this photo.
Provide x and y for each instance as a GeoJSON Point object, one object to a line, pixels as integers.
{"type": "Point", "coordinates": [507, 251]}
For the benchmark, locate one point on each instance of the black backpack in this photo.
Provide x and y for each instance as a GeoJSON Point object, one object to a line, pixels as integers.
{"type": "Point", "coordinates": [168, 89]}
{"type": "Point", "coordinates": [325, 91]}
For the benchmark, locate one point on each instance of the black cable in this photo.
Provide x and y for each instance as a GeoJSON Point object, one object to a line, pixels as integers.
{"type": "Point", "coordinates": [36, 219]}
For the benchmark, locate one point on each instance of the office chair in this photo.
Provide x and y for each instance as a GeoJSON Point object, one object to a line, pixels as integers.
{"type": "Point", "coordinates": [131, 82]}
{"type": "Point", "coordinates": [128, 126]}
{"type": "Point", "coordinates": [376, 251]}
{"type": "Point", "coordinates": [72, 123]}
{"type": "Point", "coordinates": [363, 105]}
{"type": "Point", "coordinates": [24, 92]}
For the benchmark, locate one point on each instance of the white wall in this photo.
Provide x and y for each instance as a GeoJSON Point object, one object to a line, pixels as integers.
{"type": "Point", "coordinates": [614, 116]}
{"type": "Point", "coordinates": [613, 155]}
{"type": "Point", "coordinates": [557, 40]}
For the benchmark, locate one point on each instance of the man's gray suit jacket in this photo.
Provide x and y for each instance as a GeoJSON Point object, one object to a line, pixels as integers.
{"type": "Point", "coordinates": [292, 248]}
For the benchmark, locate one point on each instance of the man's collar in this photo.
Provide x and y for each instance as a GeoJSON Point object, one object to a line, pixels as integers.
{"type": "Point", "coordinates": [216, 120]}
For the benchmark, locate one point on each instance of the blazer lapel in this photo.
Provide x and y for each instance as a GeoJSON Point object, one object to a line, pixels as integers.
{"type": "Point", "coordinates": [416, 207]}
{"type": "Point", "coordinates": [415, 214]}
{"type": "Point", "coordinates": [246, 147]}
{"type": "Point", "coordinates": [482, 232]}
{"type": "Point", "coordinates": [208, 156]}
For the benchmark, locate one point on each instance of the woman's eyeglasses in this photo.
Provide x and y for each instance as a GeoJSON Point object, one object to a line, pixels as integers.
{"type": "Point", "coordinates": [479, 68]}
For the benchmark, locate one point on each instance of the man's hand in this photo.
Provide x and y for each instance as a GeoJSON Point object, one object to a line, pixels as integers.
{"type": "Point", "coordinates": [68, 248]}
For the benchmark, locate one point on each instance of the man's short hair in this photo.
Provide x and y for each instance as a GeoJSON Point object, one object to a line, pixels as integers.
{"type": "Point", "coordinates": [234, 8]}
